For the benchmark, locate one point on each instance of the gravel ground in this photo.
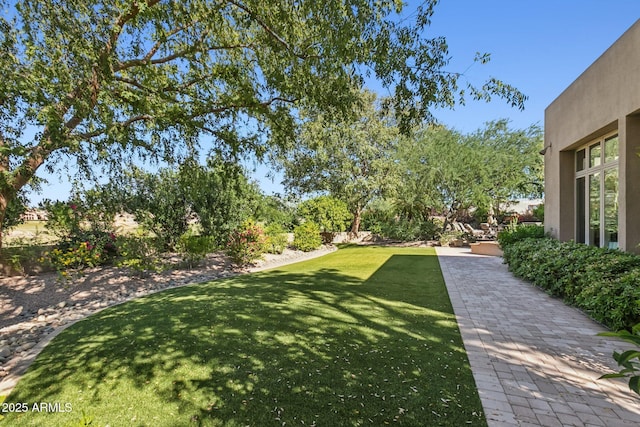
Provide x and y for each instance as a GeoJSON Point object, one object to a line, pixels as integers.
{"type": "Point", "coordinates": [34, 309]}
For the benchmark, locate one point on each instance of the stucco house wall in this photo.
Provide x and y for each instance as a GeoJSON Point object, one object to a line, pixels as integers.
{"type": "Point", "coordinates": [604, 99]}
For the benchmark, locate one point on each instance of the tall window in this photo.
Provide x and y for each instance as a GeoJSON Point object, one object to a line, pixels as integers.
{"type": "Point", "coordinates": [597, 193]}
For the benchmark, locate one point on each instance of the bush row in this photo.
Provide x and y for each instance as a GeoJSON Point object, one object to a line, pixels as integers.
{"type": "Point", "coordinates": [604, 283]}
{"type": "Point", "coordinates": [142, 253]}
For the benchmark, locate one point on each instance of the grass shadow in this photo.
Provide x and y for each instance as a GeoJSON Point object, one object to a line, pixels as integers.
{"type": "Point", "coordinates": [362, 336]}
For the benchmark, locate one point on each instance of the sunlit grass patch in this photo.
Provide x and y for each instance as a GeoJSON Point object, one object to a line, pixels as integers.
{"type": "Point", "coordinates": [363, 336]}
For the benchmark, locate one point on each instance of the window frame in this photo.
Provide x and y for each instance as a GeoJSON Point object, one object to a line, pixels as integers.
{"type": "Point", "coordinates": [593, 166]}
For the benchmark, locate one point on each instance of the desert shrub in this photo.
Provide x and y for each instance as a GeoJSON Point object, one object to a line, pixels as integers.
{"type": "Point", "coordinates": [139, 253]}
{"type": "Point", "coordinates": [602, 282]}
{"type": "Point", "coordinates": [84, 240]}
{"type": "Point", "coordinates": [306, 236]}
{"type": "Point", "coordinates": [277, 239]}
{"type": "Point", "coordinates": [448, 237]}
{"type": "Point", "coordinates": [85, 249]}
{"type": "Point", "coordinates": [246, 244]}
{"type": "Point", "coordinates": [194, 249]}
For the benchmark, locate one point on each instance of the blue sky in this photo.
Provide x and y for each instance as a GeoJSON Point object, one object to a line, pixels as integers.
{"type": "Point", "coordinates": [539, 46]}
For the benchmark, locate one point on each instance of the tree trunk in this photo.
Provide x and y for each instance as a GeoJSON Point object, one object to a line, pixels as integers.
{"type": "Point", "coordinates": [357, 218]}
{"type": "Point", "coordinates": [450, 217]}
{"type": "Point", "coordinates": [4, 202]}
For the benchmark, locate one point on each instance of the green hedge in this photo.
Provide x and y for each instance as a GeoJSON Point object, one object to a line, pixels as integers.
{"type": "Point", "coordinates": [604, 283]}
{"type": "Point", "coordinates": [519, 232]}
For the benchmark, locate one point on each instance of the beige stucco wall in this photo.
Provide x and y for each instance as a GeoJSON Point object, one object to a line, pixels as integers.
{"type": "Point", "coordinates": [605, 98]}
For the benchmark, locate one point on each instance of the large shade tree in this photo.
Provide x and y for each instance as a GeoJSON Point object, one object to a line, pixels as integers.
{"type": "Point", "coordinates": [349, 157]}
{"type": "Point", "coordinates": [511, 160]}
{"type": "Point", "coordinates": [439, 173]}
{"type": "Point", "coordinates": [447, 171]}
{"type": "Point", "coordinates": [98, 80]}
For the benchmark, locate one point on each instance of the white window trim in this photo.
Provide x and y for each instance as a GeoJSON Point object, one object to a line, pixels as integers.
{"type": "Point", "coordinates": [586, 172]}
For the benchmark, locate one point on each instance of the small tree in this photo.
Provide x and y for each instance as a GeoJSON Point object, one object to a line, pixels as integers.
{"type": "Point", "coordinates": [331, 214]}
{"type": "Point", "coordinates": [220, 196]}
{"type": "Point", "coordinates": [349, 157]}
{"type": "Point", "coordinates": [441, 172]}
{"type": "Point", "coordinates": [510, 160]}
{"type": "Point", "coordinates": [158, 203]}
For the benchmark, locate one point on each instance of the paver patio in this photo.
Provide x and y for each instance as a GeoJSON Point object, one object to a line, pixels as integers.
{"type": "Point", "coordinates": [536, 361]}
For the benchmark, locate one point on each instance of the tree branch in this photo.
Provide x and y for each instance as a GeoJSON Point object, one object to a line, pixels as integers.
{"type": "Point", "coordinates": [240, 106]}
{"type": "Point", "coordinates": [177, 55]}
{"type": "Point", "coordinates": [268, 29]}
{"type": "Point", "coordinates": [123, 124]}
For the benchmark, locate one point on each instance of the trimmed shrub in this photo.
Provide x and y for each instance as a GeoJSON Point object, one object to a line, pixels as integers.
{"type": "Point", "coordinates": [277, 239]}
{"type": "Point", "coordinates": [614, 302]}
{"type": "Point", "coordinates": [605, 283]}
{"type": "Point", "coordinates": [306, 236]}
{"type": "Point", "coordinates": [519, 232]}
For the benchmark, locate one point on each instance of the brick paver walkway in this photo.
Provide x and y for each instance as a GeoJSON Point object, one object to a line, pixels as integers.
{"type": "Point", "coordinates": [536, 362]}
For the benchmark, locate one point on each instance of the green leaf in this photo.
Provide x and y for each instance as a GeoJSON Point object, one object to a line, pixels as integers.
{"type": "Point", "coordinates": [625, 357]}
{"type": "Point", "coordinates": [617, 375]}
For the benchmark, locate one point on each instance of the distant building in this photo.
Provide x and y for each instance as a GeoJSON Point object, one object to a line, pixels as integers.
{"type": "Point", "coordinates": [34, 215]}
{"type": "Point", "coordinates": [592, 143]}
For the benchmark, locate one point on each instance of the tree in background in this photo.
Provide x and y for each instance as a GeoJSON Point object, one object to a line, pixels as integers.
{"type": "Point", "coordinates": [446, 171]}
{"type": "Point", "coordinates": [441, 173]}
{"type": "Point", "coordinates": [331, 214]}
{"type": "Point", "coordinates": [158, 203]}
{"type": "Point", "coordinates": [220, 195]}
{"type": "Point", "coordinates": [102, 82]}
{"type": "Point", "coordinates": [511, 161]}
{"type": "Point", "coordinates": [278, 211]}
{"type": "Point", "coordinates": [351, 158]}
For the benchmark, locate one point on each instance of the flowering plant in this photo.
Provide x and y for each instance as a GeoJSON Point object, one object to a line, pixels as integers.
{"type": "Point", "coordinates": [83, 242]}
{"type": "Point", "coordinates": [246, 244]}
{"type": "Point", "coordinates": [86, 249]}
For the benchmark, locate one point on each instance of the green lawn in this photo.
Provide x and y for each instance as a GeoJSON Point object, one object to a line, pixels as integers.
{"type": "Point", "coordinates": [362, 336]}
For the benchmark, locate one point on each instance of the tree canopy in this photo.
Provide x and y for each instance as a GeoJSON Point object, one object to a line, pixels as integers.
{"type": "Point", "coordinates": [349, 157]}
{"type": "Point", "coordinates": [99, 80]}
{"type": "Point", "coordinates": [446, 171]}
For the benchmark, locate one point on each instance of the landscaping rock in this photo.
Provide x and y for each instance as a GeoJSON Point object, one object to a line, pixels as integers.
{"type": "Point", "coordinates": [90, 293]}
{"type": "Point", "coordinates": [5, 352]}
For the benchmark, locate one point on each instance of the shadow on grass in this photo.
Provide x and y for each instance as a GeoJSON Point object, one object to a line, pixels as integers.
{"type": "Point", "coordinates": [318, 347]}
